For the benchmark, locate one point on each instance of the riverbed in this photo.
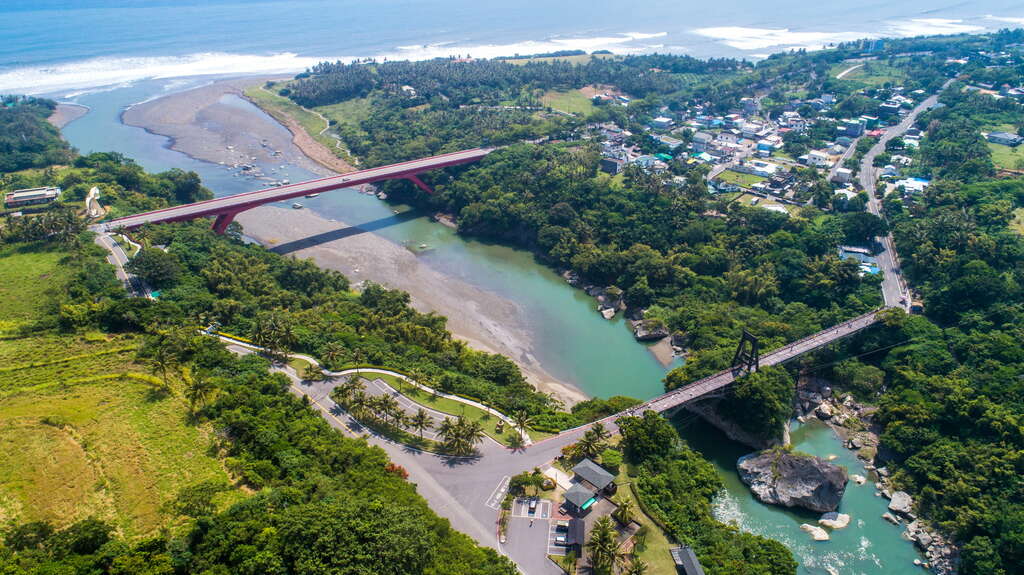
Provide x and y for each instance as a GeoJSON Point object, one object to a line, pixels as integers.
{"type": "Point", "coordinates": [504, 301]}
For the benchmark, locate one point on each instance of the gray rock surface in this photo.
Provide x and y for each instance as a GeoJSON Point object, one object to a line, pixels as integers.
{"type": "Point", "coordinates": [901, 503]}
{"type": "Point", "coordinates": [791, 480]}
{"type": "Point", "coordinates": [650, 330]}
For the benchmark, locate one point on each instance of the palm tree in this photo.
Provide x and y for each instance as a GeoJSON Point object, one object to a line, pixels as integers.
{"type": "Point", "coordinates": [447, 430]}
{"type": "Point", "coordinates": [358, 402]}
{"type": "Point", "coordinates": [473, 433]}
{"type": "Point", "coordinates": [600, 432]}
{"type": "Point", "coordinates": [421, 421]}
{"type": "Point", "coordinates": [522, 419]}
{"type": "Point", "coordinates": [603, 546]}
{"type": "Point", "coordinates": [332, 353]}
{"type": "Point", "coordinates": [623, 514]}
{"type": "Point", "coordinates": [389, 408]}
{"type": "Point", "coordinates": [163, 360]}
{"type": "Point", "coordinates": [636, 567]}
{"type": "Point", "coordinates": [198, 389]}
{"type": "Point", "coordinates": [312, 372]}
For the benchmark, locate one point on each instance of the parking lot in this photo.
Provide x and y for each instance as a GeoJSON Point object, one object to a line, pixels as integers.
{"type": "Point", "coordinates": [554, 532]}
{"type": "Point", "coordinates": [521, 508]}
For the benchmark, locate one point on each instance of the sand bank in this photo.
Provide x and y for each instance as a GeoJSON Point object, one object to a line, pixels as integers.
{"type": "Point", "coordinates": [483, 319]}
{"type": "Point", "coordinates": [216, 124]}
{"type": "Point", "coordinates": [64, 114]}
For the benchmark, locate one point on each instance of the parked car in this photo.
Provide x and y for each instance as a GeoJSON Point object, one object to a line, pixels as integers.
{"type": "Point", "coordinates": [533, 505]}
{"type": "Point", "coordinates": [561, 540]}
{"type": "Point", "coordinates": [562, 525]}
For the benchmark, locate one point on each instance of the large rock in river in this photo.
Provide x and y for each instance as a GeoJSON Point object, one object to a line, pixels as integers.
{"type": "Point", "coordinates": [782, 478]}
{"type": "Point", "coordinates": [650, 330]}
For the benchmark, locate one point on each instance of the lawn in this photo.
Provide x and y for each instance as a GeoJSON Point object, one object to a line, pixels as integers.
{"type": "Point", "coordinates": [740, 179]}
{"type": "Point", "coordinates": [872, 74]}
{"type": "Point", "coordinates": [29, 279]}
{"type": "Point", "coordinates": [571, 101]}
{"type": "Point", "coordinates": [575, 59]}
{"type": "Point", "coordinates": [654, 552]}
{"type": "Point", "coordinates": [348, 113]}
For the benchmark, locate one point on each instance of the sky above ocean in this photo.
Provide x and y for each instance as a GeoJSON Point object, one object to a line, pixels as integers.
{"type": "Point", "coordinates": [50, 45]}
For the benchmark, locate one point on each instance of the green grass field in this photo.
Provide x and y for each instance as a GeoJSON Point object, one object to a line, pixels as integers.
{"type": "Point", "coordinates": [348, 113]}
{"type": "Point", "coordinates": [572, 101]}
{"type": "Point", "coordinates": [655, 549]}
{"type": "Point", "coordinates": [871, 74]}
{"type": "Point", "coordinates": [740, 179]}
{"type": "Point", "coordinates": [576, 59]}
{"type": "Point", "coordinates": [82, 431]}
{"type": "Point", "coordinates": [28, 280]}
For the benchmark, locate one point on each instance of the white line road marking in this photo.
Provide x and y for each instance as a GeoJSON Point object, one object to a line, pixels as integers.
{"type": "Point", "coordinates": [554, 548]}
{"type": "Point", "coordinates": [494, 501]}
{"type": "Point", "coordinates": [521, 508]}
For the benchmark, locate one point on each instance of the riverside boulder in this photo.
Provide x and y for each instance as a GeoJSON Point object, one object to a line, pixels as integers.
{"type": "Point", "coordinates": [781, 478]}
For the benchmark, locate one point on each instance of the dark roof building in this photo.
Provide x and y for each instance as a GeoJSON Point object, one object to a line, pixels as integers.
{"type": "Point", "coordinates": [576, 536]}
{"type": "Point", "coordinates": [593, 474]}
{"type": "Point", "coordinates": [686, 561]}
{"type": "Point", "coordinates": [580, 497]}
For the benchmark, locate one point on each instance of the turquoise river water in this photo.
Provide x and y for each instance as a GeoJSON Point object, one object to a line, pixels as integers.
{"type": "Point", "coordinates": [572, 342]}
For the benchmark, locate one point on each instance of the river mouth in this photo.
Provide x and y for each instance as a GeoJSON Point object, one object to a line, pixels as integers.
{"type": "Point", "coordinates": [564, 334]}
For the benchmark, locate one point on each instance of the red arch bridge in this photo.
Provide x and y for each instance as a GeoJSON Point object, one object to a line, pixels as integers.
{"type": "Point", "coordinates": [225, 209]}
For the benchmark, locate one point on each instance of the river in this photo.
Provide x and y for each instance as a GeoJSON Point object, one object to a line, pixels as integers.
{"type": "Point", "coordinates": [570, 340]}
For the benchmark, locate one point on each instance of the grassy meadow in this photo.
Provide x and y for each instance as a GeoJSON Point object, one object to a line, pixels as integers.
{"type": "Point", "coordinates": [84, 430]}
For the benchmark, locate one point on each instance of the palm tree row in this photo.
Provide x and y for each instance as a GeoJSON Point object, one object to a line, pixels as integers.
{"type": "Point", "coordinates": [460, 435]}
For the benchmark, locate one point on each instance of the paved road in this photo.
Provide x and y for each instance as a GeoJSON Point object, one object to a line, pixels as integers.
{"type": "Point", "coordinates": [895, 291]}
{"type": "Point", "coordinates": [241, 202]}
{"type": "Point", "coordinates": [119, 259]}
{"type": "Point", "coordinates": [842, 159]}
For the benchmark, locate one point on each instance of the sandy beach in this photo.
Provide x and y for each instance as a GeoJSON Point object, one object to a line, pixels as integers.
{"type": "Point", "coordinates": [482, 319]}
{"type": "Point", "coordinates": [64, 114]}
{"type": "Point", "coordinates": [215, 124]}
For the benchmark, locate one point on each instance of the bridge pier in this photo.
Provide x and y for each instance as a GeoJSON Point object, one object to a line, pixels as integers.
{"type": "Point", "coordinates": [220, 225]}
{"type": "Point", "coordinates": [420, 184]}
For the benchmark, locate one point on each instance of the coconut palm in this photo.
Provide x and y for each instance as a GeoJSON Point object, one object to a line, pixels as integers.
{"type": "Point", "coordinates": [600, 432]}
{"type": "Point", "coordinates": [623, 514]}
{"type": "Point", "coordinates": [636, 567]}
{"type": "Point", "coordinates": [603, 546]}
{"type": "Point", "coordinates": [312, 372]}
{"type": "Point", "coordinates": [421, 421]}
{"type": "Point", "coordinates": [198, 389]}
{"type": "Point", "coordinates": [358, 402]}
{"type": "Point", "coordinates": [522, 419]}
{"type": "Point", "coordinates": [389, 408]}
{"type": "Point", "coordinates": [333, 352]}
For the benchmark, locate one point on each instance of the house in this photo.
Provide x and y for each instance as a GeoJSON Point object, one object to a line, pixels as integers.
{"type": "Point", "coordinates": [662, 123]}
{"type": "Point", "coordinates": [889, 108]}
{"type": "Point", "coordinates": [612, 165]}
{"type": "Point", "coordinates": [595, 475]}
{"type": "Point", "coordinates": [843, 176]}
{"type": "Point", "coordinates": [575, 536]}
{"type": "Point", "coordinates": [669, 141]}
{"type": "Point", "coordinates": [851, 128]}
{"type": "Point", "coordinates": [31, 196]}
{"type": "Point", "coordinates": [1005, 139]}
{"type": "Point", "coordinates": [701, 141]}
{"type": "Point", "coordinates": [912, 185]}
{"type": "Point", "coordinates": [819, 159]}
{"type": "Point", "coordinates": [890, 171]}
{"type": "Point", "coordinates": [686, 561]}
{"type": "Point", "coordinates": [579, 498]}
{"type": "Point", "coordinates": [758, 168]}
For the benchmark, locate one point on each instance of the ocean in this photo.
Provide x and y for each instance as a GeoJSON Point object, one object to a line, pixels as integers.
{"type": "Point", "coordinates": [55, 46]}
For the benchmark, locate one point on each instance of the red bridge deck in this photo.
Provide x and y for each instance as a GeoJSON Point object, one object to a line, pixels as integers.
{"type": "Point", "coordinates": [227, 207]}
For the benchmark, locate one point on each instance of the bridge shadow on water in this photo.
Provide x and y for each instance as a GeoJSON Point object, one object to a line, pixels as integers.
{"type": "Point", "coordinates": [347, 232]}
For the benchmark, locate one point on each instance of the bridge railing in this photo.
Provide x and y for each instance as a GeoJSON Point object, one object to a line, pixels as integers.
{"type": "Point", "coordinates": [782, 350]}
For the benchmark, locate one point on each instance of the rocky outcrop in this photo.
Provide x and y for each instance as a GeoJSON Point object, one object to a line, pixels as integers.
{"type": "Point", "coordinates": [816, 533]}
{"type": "Point", "coordinates": [650, 330]}
{"type": "Point", "coordinates": [901, 503]}
{"type": "Point", "coordinates": [782, 478]}
{"type": "Point", "coordinates": [834, 520]}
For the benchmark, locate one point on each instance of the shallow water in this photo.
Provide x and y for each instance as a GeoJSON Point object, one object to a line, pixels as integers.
{"type": "Point", "coordinates": [571, 341]}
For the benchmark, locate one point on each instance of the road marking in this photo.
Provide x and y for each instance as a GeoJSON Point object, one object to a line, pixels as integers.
{"type": "Point", "coordinates": [521, 508]}
{"type": "Point", "coordinates": [555, 548]}
{"type": "Point", "coordinates": [494, 501]}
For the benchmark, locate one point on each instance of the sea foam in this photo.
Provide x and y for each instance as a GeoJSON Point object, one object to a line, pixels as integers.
{"type": "Point", "coordinates": [89, 75]}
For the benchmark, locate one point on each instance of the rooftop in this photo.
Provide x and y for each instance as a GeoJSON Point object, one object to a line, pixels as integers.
{"type": "Point", "coordinates": [593, 474]}
{"type": "Point", "coordinates": [686, 560]}
{"type": "Point", "coordinates": [579, 495]}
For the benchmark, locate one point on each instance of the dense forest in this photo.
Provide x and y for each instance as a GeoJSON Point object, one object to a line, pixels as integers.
{"type": "Point", "coordinates": [26, 141]}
